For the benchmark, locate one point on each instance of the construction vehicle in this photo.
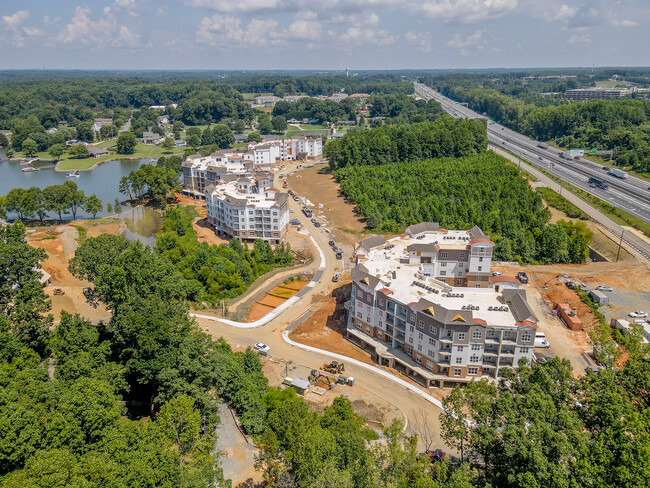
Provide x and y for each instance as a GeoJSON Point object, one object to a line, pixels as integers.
{"type": "Point", "coordinates": [334, 367]}
{"type": "Point", "coordinates": [59, 291]}
{"type": "Point", "coordinates": [317, 378]}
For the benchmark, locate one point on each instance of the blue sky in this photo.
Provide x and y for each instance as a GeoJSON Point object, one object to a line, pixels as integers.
{"type": "Point", "coordinates": [322, 34]}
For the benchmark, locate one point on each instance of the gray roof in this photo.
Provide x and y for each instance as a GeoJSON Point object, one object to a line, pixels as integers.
{"type": "Point", "coordinates": [423, 227]}
{"type": "Point", "coordinates": [443, 314]}
{"type": "Point", "coordinates": [236, 202]}
{"type": "Point", "coordinates": [476, 233]}
{"type": "Point", "coordinates": [371, 242]}
{"type": "Point", "coordinates": [97, 150]}
{"type": "Point", "coordinates": [210, 188]}
{"type": "Point", "coordinates": [516, 299]}
{"type": "Point", "coordinates": [359, 273]}
{"type": "Point", "coordinates": [420, 247]}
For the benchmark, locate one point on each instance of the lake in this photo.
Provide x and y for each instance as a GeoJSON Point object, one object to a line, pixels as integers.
{"type": "Point", "coordinates": [102, 181]}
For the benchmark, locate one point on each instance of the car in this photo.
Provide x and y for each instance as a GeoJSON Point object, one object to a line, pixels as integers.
{"type": "Point", "coordinates": [522, 277]}
{"type": "Point", "coordinates": [316, 224]}
{"type": "Point", "coordinates": [604, 288]}
{"type": "Point", "coordinates": [296, 198]}
{"type": "Point", "coordinates": [291, 210]}
{"type": "Point", "coordinates": [336, 277]}
{"type": "Point", "coordinates": [639, 314]}
{"type": "Point", "coordinates": [503, 142]}
{"type": "Point", "coordinates": [436, 455]}
{"type": "Point", "coordinates": [335, 249]}
{"type": "Point", "coordinates": [606, 168]}
{"type": "Point", "coordinates": [261, 347]}
{"type": "Point", "coordinates": [332, 243]}
{"type": "Point", "coordinates": [496, 273]}
{"type": "Point", "coordinates": [313, 220]}
{"type": "Point", "coordinates": [502, 128]}
{"type": "Point", "coordinates": [540, 158]}
{"type": "Point", "coordinates": [339, 255]}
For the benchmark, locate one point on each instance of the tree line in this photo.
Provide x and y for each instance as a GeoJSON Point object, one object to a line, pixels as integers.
{"type": "Point", "coordinates": [219, 272]}
{"type": "Point", "coordinates": [483, 190]}
{"type": "Point", "coordinates": [64, 199]}
{"type": "Point", "coordinates": [155, 183]}
{"type": "Point", "coordinates": [391, 143]}
{"type": "Point", "coordinates": [622, 126]}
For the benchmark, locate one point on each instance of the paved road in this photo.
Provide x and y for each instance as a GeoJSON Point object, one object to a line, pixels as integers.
{"type": "Point", "coordinates": [631, 194]}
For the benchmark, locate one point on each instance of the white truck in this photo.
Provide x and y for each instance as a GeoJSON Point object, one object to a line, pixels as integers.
{"type": "Point", "coordinates": [618, 173]}
{"type": "Point", "coordinates": [540, 340]}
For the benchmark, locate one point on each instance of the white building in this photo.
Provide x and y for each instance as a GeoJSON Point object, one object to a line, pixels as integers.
{"type": "Point", "coordinates": [245, 208]}
{"type": "Point", "coordinates": [423, 304]}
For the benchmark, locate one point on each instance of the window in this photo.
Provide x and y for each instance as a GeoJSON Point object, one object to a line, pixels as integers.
{"type": "Point", "coordinates": [418, 359]}
{"type": "Point", "coordinates": [443, 255]}
{"type": "Point", "coordinates": [359, 315]}
{"type": "Point", "coordinates": [524, 350]}
{"type": "Point", "coordinates": [459, 348]}
{"type": "Point", "coordinates": [476, 347]}
{"type": "Point", "coordinates": [411, 328]}
{"type": "Point", "coordinates": [457, 371]}
{"type": "Point", "coordinates": [381, 302]}
{"type": "Point", "coordinates": [409, 350]}
{"type": "Point", "coordinates": [367, 330]}
{"type": "Point", "coordinates": [421, 324]}
{"type": "Point", "coordinates": [443, 264]}
{"type": "Point", "coordinates": [477, 334]}
{"type": "Point", "coordinates": [412, 317]}
{"type": "Point", "coordinates": [462, 255]}
{"type": "Point", "coordinates": [473, 359]}
{"type": "Point", "coordinates": [480, 268]}
{"type": "Point", "coordinates": [478, 278]}
{"type": "Point", "coordinates": [443, 273]}
{"type": "Point", "coordinates": [472, 371]}
{"type": "Point", "coordinates": [420, 336]}
{"type": "Point", "coordinates": [461, 336]}
{"type": "Point", "coordinates": [432, 342]}
{"type": "Point", "coordinates": [477, 286]}
{"type": "Point", "coordinates": [459, 282]}
{"type": "Point", "coordinates": [482, 249]}
{"type": "Point", "coordinates": [433, 329]}
{"type": "Point", "coordinates": [429, 364]}
{"type": "Point", "coordinates": [420, 347]}
{"type": "Point", "coordinates": [430, 353]}
{"type": "Point", "coordinates": [480, 260]}
{"type": "Point", "coordinates": [360, 295]}
{"type": "Point", "coordinates": [459, 360]}
{"type": "Point", "coordinates": [525, 337]}
{"type": "Point", "coordinates": [380, 324]}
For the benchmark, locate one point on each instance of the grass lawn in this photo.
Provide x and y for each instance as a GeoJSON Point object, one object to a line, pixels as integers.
{"type": "Point", "coordinates": [311, 126]}
{"type": "Point", "coordinates": [250, 96]}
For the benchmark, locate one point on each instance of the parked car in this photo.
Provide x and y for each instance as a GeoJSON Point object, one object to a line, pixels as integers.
{"type": "Point", "coordinates": [604, 288]}
{"type": "Point", "coordinates": [339, 255]}
{"type": "Point", "coordinates": [522, 277]}
{"type": "Point", "coordinates": [294, 222]}
{"type": "Point", "coordinates": [336, 249]}
{"type": "Point", "coordinates": [316, 224]}
{"type": "Point", "coordinates": [436, 455]}
{"type": "Point", "coordinates": [313, 220]}
{"type": "Point", "coordinates": [261, 347]}
{"type": "Point", "coordinates": [496, 273]}
{"type": "Point", "coordinates": [639, 314]}
{"type": "Point", "coordinates": [336, 277]}
{"type": "Point", "coordinates": [332, 243]}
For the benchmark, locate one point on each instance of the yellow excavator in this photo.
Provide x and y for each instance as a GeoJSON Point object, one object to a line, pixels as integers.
{"type": "Point", "coordinates": [334, 367]}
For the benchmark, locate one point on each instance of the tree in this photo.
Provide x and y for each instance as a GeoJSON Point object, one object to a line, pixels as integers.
{"type": "Point", "coordinates": [223, 136]}
{"type": "Point", "coordinates": [4, 142]}
{"type": "Point", "coordinates": [30, 148]}
{"type": "Point", "coordinates": [125, 187]}
{"type": "Point", "coordinates": [266, 126]}
{"type": "Point", "coordinates": [56, 198]}
{"type": "Point", "coordinates": [79, 151]}
{"type": "Point", "coordinates": [167, 144]}
{"type": "Point", "coordinates": [423, 427]}
{"type": "Point", "coordinates": [85, 132]}
{"type": "Point", "coordinates": [109, 208]}
{"type": "Point", "coordinates": [14, 201]}
{"type": "Point", "coordinates": [254, 137]}
{"type": "Point", "coordinates": [107, 131]}
{"type": "Point", "coordinates": [126, 143]}
{"type": "Point", "coordinates": [117, 207]}
{"type": "Point", "coordinates": [93, 205]}
{"type": "Point", "coordinates": [279, 123]}
{"type": "Point", "coordinates": [56, 151]}
{"type": "Point", "coordinates": [75, 198]}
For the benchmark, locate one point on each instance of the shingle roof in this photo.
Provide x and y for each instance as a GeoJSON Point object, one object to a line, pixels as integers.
{"type": "Point", "coordinates": [359, 274]}
{"type": "Point", "coordinates": [516, 299]}
{"type": "Point", "coordinates": [420, 247]}
{"type": "Point", "coordinates": [423, 227]}
{"type": "Point", "coordinates": [372, 242]}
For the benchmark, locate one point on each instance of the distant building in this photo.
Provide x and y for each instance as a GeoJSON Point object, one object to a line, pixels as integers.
{"type": "Point", "coordinates": [149, 137]}
{"type": "Point", "coordinates": [180, 143]}
{"type": "Point", "coordinates": [157, 107]}
{"type": "Point", "coordinates": [99, 123]}
{"type": "Point", "coordinates": [163, 119]}
{"type": "Point", "coordinates": [346, 122]}
{"type": "Point", "coordinates": [51, 130]}
{"type": "Point", "coordinates": [338, 97]}
{"type": "Point", "coordinates": [293, 98]}
{"type": "Point", "coordinates": [596, 93]}
{"type": "Point", "coordinates": [266, 100]}
{"type": "Point", "coordinates": [97, 152]}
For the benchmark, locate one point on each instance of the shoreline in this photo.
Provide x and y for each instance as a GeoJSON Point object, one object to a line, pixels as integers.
{"type": "Point", "coordinates": [98, 163]}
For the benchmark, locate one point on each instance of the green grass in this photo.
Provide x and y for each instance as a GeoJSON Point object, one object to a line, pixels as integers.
{"type": "Point", "coordinates": [557, 201]}
{"type": "Point", "coordinates": [141, 151]}
{"type": "Point", "coordinates": [312, 126]}
{"type": "Point", "coordinates": [250, 96]}
{"type": "Point", "coordinates": [612, 84]}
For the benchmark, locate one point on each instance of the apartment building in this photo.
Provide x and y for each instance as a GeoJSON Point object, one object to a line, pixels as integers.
{"type": "Point", "coordinates": [423, 304]}
{"type": "Point", "coordinates": [246, 207]}
{"type": "Point", "coordinates": [596, 93]}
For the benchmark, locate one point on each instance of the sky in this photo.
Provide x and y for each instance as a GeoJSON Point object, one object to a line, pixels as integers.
{"type": "Point", "coordinates": [322, 34]}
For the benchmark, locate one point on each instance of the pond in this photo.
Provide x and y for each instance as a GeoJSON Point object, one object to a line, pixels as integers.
{"type": "Point", "coordinates": [102, 181]}
{"type": "Point", "coordinates": [142, 224]}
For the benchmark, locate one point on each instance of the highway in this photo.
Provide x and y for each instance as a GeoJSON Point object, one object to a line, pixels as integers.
{"type": "Point", "coordinates": [630, 194]}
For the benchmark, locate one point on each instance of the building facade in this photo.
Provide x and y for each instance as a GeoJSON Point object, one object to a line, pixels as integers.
{"type": "Point", "coordinates": [428, 311]}
{"type": "Point", "coordinates": [596, 93]}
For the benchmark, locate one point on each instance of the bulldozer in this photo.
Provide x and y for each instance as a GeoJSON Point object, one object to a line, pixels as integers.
{"type": "Point", "coordinates": [59, 291]}
{"type": "Point", "coordinates": [316, 378]}
{"type": "Point", "coordinates": [334, 367]}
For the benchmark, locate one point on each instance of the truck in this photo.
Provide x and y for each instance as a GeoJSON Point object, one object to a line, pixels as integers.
{"type": "Point", "coordinates": [543, 145]}
{"type": "Point", "coordinates": [598, 183]}
{"type": "Point", "coordinates": [540, 340]}
{"type": "Point", "coordinates": [618, 173]}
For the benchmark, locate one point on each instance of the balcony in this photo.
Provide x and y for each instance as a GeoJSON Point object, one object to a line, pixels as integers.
{"type": "Point", "coordinates": [401, 325]}
{"type": "Point", "coordinates": [507, 352]}
{"type": "Point", "coordinates": [400, 337]}
{"type": "Point", "coordinates": [390, 320]}
{"type": "Point", "coordinates": [491, 352]}
{"type": "Point", "coordinates": [444, 362]}
{"type": "Point", "coordinates": [445, 351]}
{"type": "Point", "coordinates": [492, 340]}
{"type": "Point", "coordinates": [446, 339]}
{"type": "Point", "coordinates": [509, 340]}
{"type": "Point", "coordinates": [489, 362]}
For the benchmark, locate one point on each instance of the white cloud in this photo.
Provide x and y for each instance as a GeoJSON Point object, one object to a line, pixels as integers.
{"type": "Point", "coordinates": [32, 31]}
{"type": "Point", "coordinates": [225, 32]}
{"type": "Point", "coordinates": [305, 29]}
{"type": "Point", "coordinates": [101, 32]}
{"type": "Point", "coordinates": [368, 36]}
{"type": "Point", "coordinates": [12, 22]}
{"type": "Point", "coordinates": [625, 23]}
{"type": "Point", "coordinates": [128, 5]}
{"type": "Point", "coordinates": [464, 11]}
{"type": "Point", "coordinates": [230, 6]}
{"type": "Point", "coordinates": [578, 39]}
{"type": "Point", "coordinates": [420, 40]}
{"type": "Point", "coordinates": [472, 44]}
{"type": "Point", "coordinates": [47, 20]}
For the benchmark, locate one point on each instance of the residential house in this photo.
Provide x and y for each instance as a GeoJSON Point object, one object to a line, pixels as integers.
{"type": "Point", "coordinates": [149, 137]}
{"type": "Point", "coordinates": [97, 152]}
{"type": "Point", "coordinates": [99, 123]}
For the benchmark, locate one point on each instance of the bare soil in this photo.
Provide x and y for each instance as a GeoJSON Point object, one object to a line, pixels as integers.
{"type": "Point", "coordinates": [273, 299]}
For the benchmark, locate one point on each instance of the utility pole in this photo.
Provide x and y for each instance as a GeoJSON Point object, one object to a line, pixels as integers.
{"type": "Point", "coordinates": [620, 244]}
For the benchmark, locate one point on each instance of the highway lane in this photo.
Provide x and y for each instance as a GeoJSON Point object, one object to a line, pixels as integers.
{"type": "Point", "coordinates": [627, 194]}
{"type": "Point", "coordinates": [633, 195]}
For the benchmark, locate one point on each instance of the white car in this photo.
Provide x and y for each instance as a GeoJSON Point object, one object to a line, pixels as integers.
{"type": "Point", "coordinates": [639, 314]}
{"type": "Point", "coordinates": [261, 347]}
{"type": "Point", "coordinates": [604, 288]}
{"type": "Point", "coordinates": [496, 273]}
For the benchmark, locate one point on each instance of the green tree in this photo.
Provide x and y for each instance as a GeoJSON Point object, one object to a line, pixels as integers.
{"type": "Point", "coordinates": [126, 143]}
{"type": "Point", "coordinates": [74, 197]}
{"type": "Point", "coordinates": [167, 144]}
{"type": "Point", "coordinates": [56, 151]}
{"type": "Point", "coordinates": [14, 202]}
{"type": "Point", "coordinates": [4, 142]}
{"type": "Point", "coordinates": [93, 205]}
{"type": "Point", "coordinates": [30, 148]}
{"type": "Point", "coordinates": [254, 137]}
{"type": "Point", "coordinates": [85, 132]}
{"type": "Point", "coordinates": [279, 123]}
{"type": "Point", "coordinates": [56, 198]}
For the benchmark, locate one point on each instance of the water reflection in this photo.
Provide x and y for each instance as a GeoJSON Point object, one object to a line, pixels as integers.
{"type": "Point", "coordinates": [142, 224]}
